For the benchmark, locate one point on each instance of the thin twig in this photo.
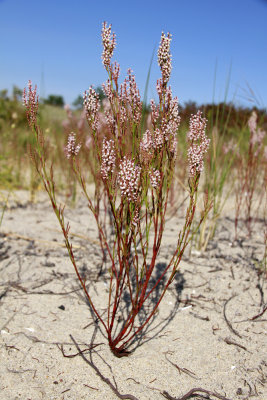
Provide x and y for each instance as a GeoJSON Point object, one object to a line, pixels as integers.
{"type": "Point", "coordinates": [4, 293]}
{"type": "Point", "coordinates": [192, 392]}
{"type": "Point", "coordinates": [260, 314]}
{"type": "Point", "coordinates": [226, 319]}
{"type": "Point", "coordinates": [132, 379]}
{"type": "Point", "coordinates": [229, 341]}
{"type": "Point", "coordinates": [104, 379]}
{"type": "Point", "coordinates": [44, 242]}
{"type": "Point", "coordinates": [79, 352]}
{"type": "Point", "coordinates": [25, 290]}
{"type": "Point", "coordinates": [90, 387]}
{"type": "Point", "coordinates": [184, 370]}
{"type": "Point", "coordinates": [67, 390]}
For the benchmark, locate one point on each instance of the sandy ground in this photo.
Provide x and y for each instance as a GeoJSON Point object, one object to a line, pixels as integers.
{"type": "Point", "coordinates": [204, 335]}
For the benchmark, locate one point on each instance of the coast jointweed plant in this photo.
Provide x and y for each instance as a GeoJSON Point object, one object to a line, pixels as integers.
{"type": "Point", "coordinates": [251, 175]}
{"type": "Point", "coordinates": [133, 173]}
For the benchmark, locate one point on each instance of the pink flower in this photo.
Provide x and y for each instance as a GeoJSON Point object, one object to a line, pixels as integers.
{"type": "Point", "coordinates": [72, 149]}
{"type": "Point", "coordinates": [230, 146]}
{"type": "Point", "coordinates": [256, 134]}
{"type": "Point", "coordinates": [130, 98]}
{"type": "Point", "coordinates": [146, 147]}
{"type": "Point", "coordinates": [106, 104]}
{"type": "Point", "coordinates": [158, 139]}
{"type": "Point", "coordinates": [91, 106]}
{"type": "Point", "coordinates": [155, 177]}
{"type": "Point", "coordinates": [136, 217]}
{"type": "Point", "coordinates": [30, 101]}
{"type": "Point", "coordinates": [173, 147]}
{"type": "Point", "coordinates": [257, 137]}
{"type": "Point", "coordinates": [107, 90]}
{"type": "Point", "coordinates": [66, 124]}
{"type": "Point", "coordinates": [199, 143]}
{"type": "Point", "coordinates": [108, 158]}
{"type": "Point", "coordinates": [252, 122]}
{"type": "Point", "coordinates": [68, 110]}
{"type": "Point", "coordinates": [115, 68]}
{"type": "Point", "coordinates": [154, 112]}
{"type": "Point", "coordinates": [109, 44]}
{"type": "Point", "coordinates": [129, 178]}
{"type": "Point", "coordinates": [164, 57]}
{"type": "Point", "coordinates": [134, 97]}
{"type": "Point", "coordinates": [169, 123]}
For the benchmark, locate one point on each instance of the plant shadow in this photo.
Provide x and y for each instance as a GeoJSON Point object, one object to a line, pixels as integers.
{"type": "Point", "coordinates": [152, 329]}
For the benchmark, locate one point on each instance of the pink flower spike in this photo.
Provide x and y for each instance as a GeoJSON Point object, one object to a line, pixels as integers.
{"type": "Point", "coordinates": [146, 147]}
{"type": "Point", "coordinates": [129, 178]}
{"type": "Point", "coordinates": [155, 177]}
{"type": "Point", "coordinates": [91, 106]}
{"type": "Point", "coordinates": [164, 57]}
{"type": "Point", "coordinates": [252, 123]}
{"type": "Point", "coordinates": [199, 143]}
{"type": "Point", "coordinates": [158, 139]}
{"type": "Point", "coordinates": [72, 150]}
{"type": "Point", "coordinates": [109, 44]}
{"type": "Point", "coordinates": [146, 143]}
{"type": "Point", "coordinates": [108, 158]}
{"type": "Point", "coordinates": [31, 102]}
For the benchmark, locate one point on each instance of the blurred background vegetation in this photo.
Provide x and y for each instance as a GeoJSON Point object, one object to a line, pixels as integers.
{"type": "Point", "coordinates": [58, 120]}
{"type": "Point", "coordinates": [233, 165]}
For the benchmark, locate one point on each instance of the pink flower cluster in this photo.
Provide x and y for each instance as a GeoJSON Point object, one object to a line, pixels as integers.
{"type": "Point", "coordinates": [199, 143]}
{"type": "Point", "coordinates": [164, 57]}
{"type": "Point", "coordinates": [136, 216]}
{"type": "Point", "coordinates": [158, 139]}
{"type": "Point", "coordinates": [230, 147]}
{"type": "Point", "coordinates": [108, 90]}
{"type": "Point", "coordinates": [172, 105]}
{"type": "Point", "coordinates": [154, 112]}
{"type": "Point", "coordinates": [91, 106]}
{"type": "Point", "coordinates": [115, 68]}
{"type": "Point", "coordinates": [72, 149]}
{"type": "Point", "coordinates": [134, 97]}
{"type": "Point", "coordinates": [257, 137]}
{"type": "Point", "coordinates": [155, 178]}
{"type": "Point", "coordinates": [169, 123]}
{"type": "Point", "coordinates": [109, 44]}
{"type": "Point", "coordinates": [173, 147]}
{"type": "Point", "coordinates": [30, 101]}
{"type": "Point", "coordinates": [252, 122]}
{"type": "Point", "coordinates": [108, 158]}
{"type": "Point", "coordinates": [256, 134]}
{"type": "Point", "coordinates": [130, 99]}
{"type": "Point", "coordinates": [129, 178]}
{"type": "Point", "coordinates": [146, 147]}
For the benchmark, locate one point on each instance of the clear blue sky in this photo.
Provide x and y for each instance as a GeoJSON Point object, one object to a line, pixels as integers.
{"type": "Point", "coordinates": [57, 44]}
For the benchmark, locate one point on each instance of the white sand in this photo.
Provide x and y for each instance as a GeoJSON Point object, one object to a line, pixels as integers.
{"type": "Point", "coordinates": [37, 278]}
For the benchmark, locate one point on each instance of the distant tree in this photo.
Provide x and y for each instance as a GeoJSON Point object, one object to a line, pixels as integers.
{"type": "Point", "coordinates": [3, 94]}
{"type": "Point", "coordinates": [54, 100]}
{"type": "Point", "coordinates": [17, 93]}
{"type": "Point", "coordinates": [190, 107]}
{"type": "Point", "coordinates": [78, 102]}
